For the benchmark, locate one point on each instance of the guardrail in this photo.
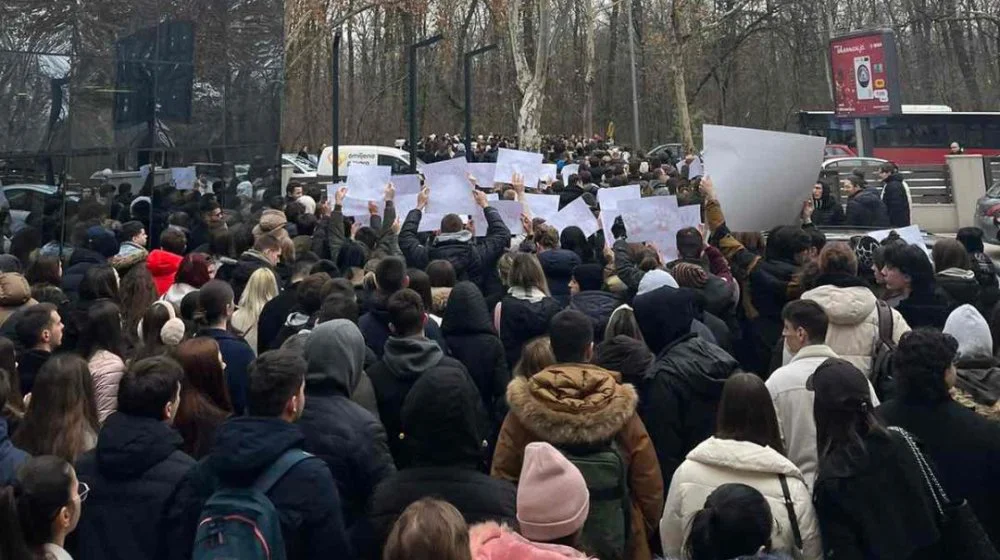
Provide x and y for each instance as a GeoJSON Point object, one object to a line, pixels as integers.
{"type": "Point", "coordinates": [928, 184]}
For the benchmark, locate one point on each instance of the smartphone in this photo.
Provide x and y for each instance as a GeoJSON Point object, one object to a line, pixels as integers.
{"type": "Point", "coordinates": [863, 77]}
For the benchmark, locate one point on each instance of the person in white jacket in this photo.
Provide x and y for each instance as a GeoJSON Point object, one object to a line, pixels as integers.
{"type": "Point", "coordinates": [746, 449]}
{"type": "Point", "coordinates": [805, 330]}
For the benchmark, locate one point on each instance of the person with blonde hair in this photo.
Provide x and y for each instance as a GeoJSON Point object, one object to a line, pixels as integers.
{"type": "Point", "coordinates": [262, 288]}
{"type": "Point", "coordinates": [526, 310]}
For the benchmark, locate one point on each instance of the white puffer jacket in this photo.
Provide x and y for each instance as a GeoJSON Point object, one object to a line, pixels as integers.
{"type": "Point", "coordinates": [853, 322]}
{"type": "Point", "coordinates": [106, 369]}
{"type": "Point", "coordinates": [721, 461]}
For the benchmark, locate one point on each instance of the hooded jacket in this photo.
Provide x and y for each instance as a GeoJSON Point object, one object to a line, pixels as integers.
{"type": "Point", "coordinates": [853, 325]}
{"type": "Point", "coordinates": [723, 461]}
{"type": "Point", "coordinates": [347, 437]}
{"type": "Point", "coordinates": [163, 266]}
{"type": "Point", "coordinates": [582, 404]}
{"type": "Point", "coordinates": [374, 326]}
{"type": "Point", "coordinates": [106, 369]}
{"type": "Point", "coordinates": [959, 286]}
{"type": "Point", "coordinates": [469, 332]}
{"type": "Point", "coordinates": [558, 265]}
{"type": "Point", "coordinates": [680, 392]}
{"type": "Point", "coordinates": [522, 320]}
{"type": "Point", "coordinates": [866, 209]}
{"type": "Point", "coordinates": [404, 361]}
{"type": "Point", "coordinates": [15, 293]}
{"type": "Point", "coordinates": [81, 261]}
{"type": "Point", "coordinates": [896, 201]}
{"type": "Point", "coordinates": [826, 211]}
{"type": "Point", "coordinates": [11, 458]}
{"type": "Point", "coordinates": [133, 475]}
{"type": "Point", "coordinates": [306, 498]}
{"type": "Point", "coordinates": [471, 260]}
{"type": "Point", "coordinates": [978, 380]}
{"type": "Point", "coordinates": [444, 427]}
{"type": "Point", "coordinates": [598, 305]}
{"type": "Point", "coordinates": [490, 541]}
{"type": "Point", "coordinates": [273, 316]}
{"type": "Point", "coordinates": [176, 292]}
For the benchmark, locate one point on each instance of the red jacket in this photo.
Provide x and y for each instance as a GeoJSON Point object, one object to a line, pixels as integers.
{"type": "Point", "coordinates": [163, 266]}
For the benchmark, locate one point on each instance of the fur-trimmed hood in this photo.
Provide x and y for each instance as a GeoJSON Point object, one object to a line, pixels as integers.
{"type": "Point", "coordinates": [572, 404]}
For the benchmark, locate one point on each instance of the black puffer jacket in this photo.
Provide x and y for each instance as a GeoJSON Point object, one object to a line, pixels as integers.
{"type": "Point", "coordinates": [896, 203]}
{"type": "Point", "coordinates": [826, 211]}
{"type": "Point", "coordinates": [470, 259]}
{"type": "Point", "coordinates": [769, 294]}
{"type": "Point", "coordinates": [81, 261]}
{"type": "Point", "coordinates": [679, 394]}
{"type": "Point", "coordinates": [472, 340]}
{"type": "Point", "coordinates": [959, 287]}
{"type": "Point", "coordinates": [927, 307]}
{"type": "Point", "coordinates": [338, 430]}
{"type": "Point", "coordinates": [133, 474]}
{"type": "Point", "coordinates": [558, 265]}
{"type": "Point", "coordinates": [986, 275]}
{"type": "Point", "coordinates": [443, 423]}
{"type": "Point", "coordinates": [866, 209]}
{"type": "Point", "coordinates": [598, 305]}
{"type": "Point", "coordinates": [248, 263]}
{"type": "Point", "coordinates": [521, 321]}
{"type": "Point", "coordinates": [273, 316]}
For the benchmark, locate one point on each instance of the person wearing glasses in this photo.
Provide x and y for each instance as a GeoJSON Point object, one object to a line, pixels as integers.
{"type": "Point", "coordinates": [40, 509]}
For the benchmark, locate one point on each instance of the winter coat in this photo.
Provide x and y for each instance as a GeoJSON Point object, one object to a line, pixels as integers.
{"type": "Point", "coordinates": [404, 361]}
{"type": "Point", "coordinates": [106, 369]}
{"type": "Point", "coordinates": [853, 318]}
{"type": "Point", "coordinates": [83, 259]}
{"type": "Point", "coordinates": [522, 320]}
{"type": "Point", "coordinates": [469, 332]}
{"type": "Point", "coordinates": [826, 211]}
{"type": "Point", "coordinates": [471, 260]}
{"type": "Point", "coordinates": [872, 502]}
{"type": "Point", "coordinates": [896, 201]}
{"type": "Point", "coordinates": [719, 461]}
{"type": "Point", "coordinates": [133, 475]}
{"type": "Point", "coordinates": [338, 430]}
{"type": "Point", "coordinates": [568, 195]}
{"type": "Point", "coordinates": [978, 370]}
{"type": "Point", "coordinates": [29, 363]}
{"type": "Point", "coordinates": [558, 265]}
{"type": "Point", "coordinates": [793, 403]}
{"type": "Point", "coordinates": [176, 292]}
{"type": "Point", "coordinates": [986, 275]}
{"type": "Point", "coordinates": [248, 263]}
{"type": "Point", "coordinates": [964, 448]}
{"type": "Point", "coordinates": [306, 498]}
{"type": "Point", "coordinates": [237, 355]}
{"type": "Point", "coordinates": [597, 305]}
{"type": "Point", "coordinates": [374, 326]}
{"type": "Point", "coordinates": [444, 426]}
{"type": "Point", "coordinates": [582, 404]}
{"type": "Point", "coordinates": [959, 287]}
{"type": "Point", "coordinates": [15, 294]}
{"type": "Point", "coordinates": [489, 541]}
{"type": "Point", "coordinates": [11, 458]}
{"type": "Point", "coordinates": [273, 316]}
{"type": "Point", "coordinates": [866, 209]}
{"type": "Point", "coordinates": [769, 293]}
{"type": "Point", "coordinates": [924, 308]}
{"type": "Point", "coordinates": [163, 266]}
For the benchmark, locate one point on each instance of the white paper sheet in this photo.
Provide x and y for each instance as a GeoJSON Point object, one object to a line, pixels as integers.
{"type": "Point", "coordinates": [183, 177]}
{"type": "Point", "coordinates": [696, 168]}
{"type": "Point", "coordinates": [578, 214]}
{"type": "Point", "coordinates": [406, 184]}
{"type": "Point", "coordinates": [690, 216]}
{"type": "Point", "coordinates": [510, 211]}
{"type": "Point", "coordinates": [454, 166]}
{"type": "Point", "coordinates": [547, 172]}
{"type": "Point", "coordinates": [569, 169]}
{"type": "Point", "coordinates": [358, 208]}
{"type": "Point", "coordinates": [451, 194]}
{"type": "Point", "coordinates": [331, 192]}
{"type": "Point", "coordinates": [650, 218]}
{"type": "Point", "coordinates": [368, 182]}
{"type": "Point", "coordinates": [483, 172]}
{"type": "Point", "coordinates": [510, 162]}
{"type": "Point", "coordinates": [404, 203]}
{"type": "Point", "coordinates": [761, 177]}
{"type": "Point", "coordinates": [608, 199]}
{"type": "Point", "coordinates": [910, 234]}
{"type": "Point", "coordinates": [541, 205]}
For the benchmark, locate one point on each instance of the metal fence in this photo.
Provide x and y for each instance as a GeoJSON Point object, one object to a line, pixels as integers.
{"type": "Point", "coordinates": [928, 184]}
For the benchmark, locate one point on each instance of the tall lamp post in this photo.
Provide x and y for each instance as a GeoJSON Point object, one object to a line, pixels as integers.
{"type": "Point", "coordinates": [468, 97]}
{"type": "Point", "coordinates": [413, 95]}
{"type": "Point", "coordinates": [335, 94]}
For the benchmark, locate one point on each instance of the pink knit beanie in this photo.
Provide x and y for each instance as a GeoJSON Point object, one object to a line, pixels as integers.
{"type": "Point", "coordinates": [552, 497]}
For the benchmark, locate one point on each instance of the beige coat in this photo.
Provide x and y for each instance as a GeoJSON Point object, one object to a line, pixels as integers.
{"type": "Point", "coordinates": [720, 461]}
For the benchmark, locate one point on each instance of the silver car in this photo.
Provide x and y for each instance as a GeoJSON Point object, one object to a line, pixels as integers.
{"type": "Point", "coordinates": [988, 214]}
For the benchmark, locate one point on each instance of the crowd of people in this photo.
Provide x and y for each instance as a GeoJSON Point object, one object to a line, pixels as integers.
{"type": "Point", "coordinates": [195, 375]}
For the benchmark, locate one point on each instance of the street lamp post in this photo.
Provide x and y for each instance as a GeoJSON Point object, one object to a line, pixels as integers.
{"type": "Point", "coordinates": [335, 94]}
{"type": "Point", "coordinates": [468, 97]}
{"type": "Point", "coordinates": [413, 95]}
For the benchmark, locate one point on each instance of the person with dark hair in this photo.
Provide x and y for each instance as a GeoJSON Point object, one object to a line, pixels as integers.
{"type": "Point", "coordinates": [894, 195]}
{"type": "Point", "coordinates": [408, 354]}
{"type": "Point", "coordinates": [211, 219]}
{"type": "Point", "coordinates": [745, 449]}
{"type": "Point", "coordinates": [557, 263]}
{"type": "Point", "coordinates": [137, 292]}
{"type": "Point", "coordinates": [311, 292]}
{"type": "Point", "coordinates": [908, 271]}
{"type": "Point", "coordinates": [305, 497]}
{"type": "Point", "coordinates": [205, 403]}
{"type": "Point", "coordinates": [163, 262]}
{"type": "Point", "coordinates": [474, 260]}
{"type": "Point", "coordinates": [525, 311]}
{"type": "Point", "coordinates": [100, 246]}
{"type": "Point", "coordinates": [982, 265]}
{"type": "Point", "coordinates": [103, 345]}
{"type": "Point", "coordinates": [576, 405]}
{"type": "Point", "coordinates": [216, 302]}
{"type": "Point", "coordinates": [954, 275]}
{"type": "Point", "coordinates": [276, 311]}
{"type": "Point", "coordinates": [421, 283]}
{"type": "Point", "coordinates": [343, 306]}
{"type": "Point", "coordinates": [962, 445]}
{"type": "Point", "coordinates": [442, 277]}
{"type": "Point", "coordinates": [158, 330]}
{"type": "Point", "coordinates": [44, 270]}
{"type": "Point", "coordinates": [11, 457]}
{"type": "Point", "coordinates": [193, 272]}
{"type": "Point", "coordinates": [735, 521]}
{"type": "Point", "coordinates": [869, 494]}
{"type": "Point", "coordinates": [825, 209]}
{"type": "Point", "coordinates": [390, 278]}
{"type": "Point", "coordinates": [588, 297]}
{"type": "Point", "coordinates": [136, 467]}
{"type": "Point", "coordinates": [133, 246]}
{"type": "Point", "coordinates": [40, 509]}
{"type": "Point", "coordinates": [40, 332]}
{"type": "Point", "coordinates": [266, 253]}
{"type": "Point", "coordinates": [379, 239]}
{"type": "Point", "coordinates": [864, 206]}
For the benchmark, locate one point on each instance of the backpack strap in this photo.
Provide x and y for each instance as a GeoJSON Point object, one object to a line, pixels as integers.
{"type": "Point", "coordinates": [790, 506]}
{"type": "Point", "coordinates": [884, 323]}
{"type": "Point", "coordinates": [279, 468]}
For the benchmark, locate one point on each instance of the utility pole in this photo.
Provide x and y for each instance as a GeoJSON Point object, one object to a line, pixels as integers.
{"type": "Point", "coordinates": [635, 90]}
{"type": "Point", "coordinates": [468, 97]}
{"type": "Point", "coordinates": [335, 94]}
{"type": "Point", "coordinates": [413, 96]}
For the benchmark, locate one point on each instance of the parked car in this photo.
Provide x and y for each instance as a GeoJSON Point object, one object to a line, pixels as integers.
{"type": "Point", "coordinates": [844, 166]}
{"type": "Point", "coordinates": [395, 158]}
{"type": "Point", "coordinates": [988, 214]}
{"type": "Point", "coordinates": [302, 168]}
{"type": "Point", "coordinates": [671, 152]}
{"type": "Point", "coordinates": [23, 199]}
{"type": "Point", "coordinates": [837, 151]}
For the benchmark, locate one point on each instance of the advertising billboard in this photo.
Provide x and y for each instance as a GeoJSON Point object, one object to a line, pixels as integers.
{"type": "Point", "coordinates": [865, 74]}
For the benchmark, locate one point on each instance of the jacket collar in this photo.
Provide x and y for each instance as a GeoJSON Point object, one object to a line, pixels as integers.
{"type": "Point", "coordinates": [742, 456]}
{"type": "Point", "coordinates": [814, 351]}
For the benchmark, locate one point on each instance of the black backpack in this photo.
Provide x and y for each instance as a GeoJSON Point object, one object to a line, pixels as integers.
{"type": "Point", "coordinates": [882, 352]}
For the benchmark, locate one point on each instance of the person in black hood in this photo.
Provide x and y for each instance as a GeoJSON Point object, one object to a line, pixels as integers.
{"type": "Point", "coordinates": [684, 384]}
{"type": "Point", "coordinates": [589, 298]}
{"type": "Point", "coordinates": [473, 341]}
{"type": "Point", "coordinates": [894, 195]}
{"type": "Point", "coordinates": [275, 312]}
{"type": "Point", "coordinates": [826, 210]}
{"type": "Point", "coordinates": [390, 277]}
{"type": "Point", "coordinates": [443, 427]}
{"type": "Point", "coordinates": [337, 429]}
{"type": "Point", "coordinates": [100, 246]}
{"type": "Point", "coordinates": [557, 263]}
{"type": "Point", "coordinates": [864, 207]}
{"type": "Point", "coordinates": [135, 469]}
{"type": "Point", "coordinates": [310, 293]}
{"type": "Point", "coordinates": [306, 497]}
{"type": "Point", "coordinates": [408, 355]}
{"type": "Point", "coordinates": [982, 266]}
{"type": "Point", "coordinates": [908, 271]}
{"type": "Point", "coordinates": [572, 191]}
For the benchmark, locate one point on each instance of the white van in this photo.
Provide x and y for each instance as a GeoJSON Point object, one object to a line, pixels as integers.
{"type": "Point", "coordinates": [395, 158]}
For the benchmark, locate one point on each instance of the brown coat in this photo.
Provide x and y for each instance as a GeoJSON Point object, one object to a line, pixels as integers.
{"type": "Point", "coordinates": [572, 404]}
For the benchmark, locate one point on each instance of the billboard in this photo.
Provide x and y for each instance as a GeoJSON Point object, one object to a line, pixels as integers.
{"type": "Point", "coordinates": [865, 74]}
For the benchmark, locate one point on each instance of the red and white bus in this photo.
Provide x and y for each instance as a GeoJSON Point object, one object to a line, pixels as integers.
{"type": "Point", "coordinates": [920, 136]}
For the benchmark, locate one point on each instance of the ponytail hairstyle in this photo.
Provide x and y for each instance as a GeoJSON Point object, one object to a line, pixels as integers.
{"type": "Point", "coordinates": [28, 508]}
{"type": "Point", "coordinates": [736, 521]}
